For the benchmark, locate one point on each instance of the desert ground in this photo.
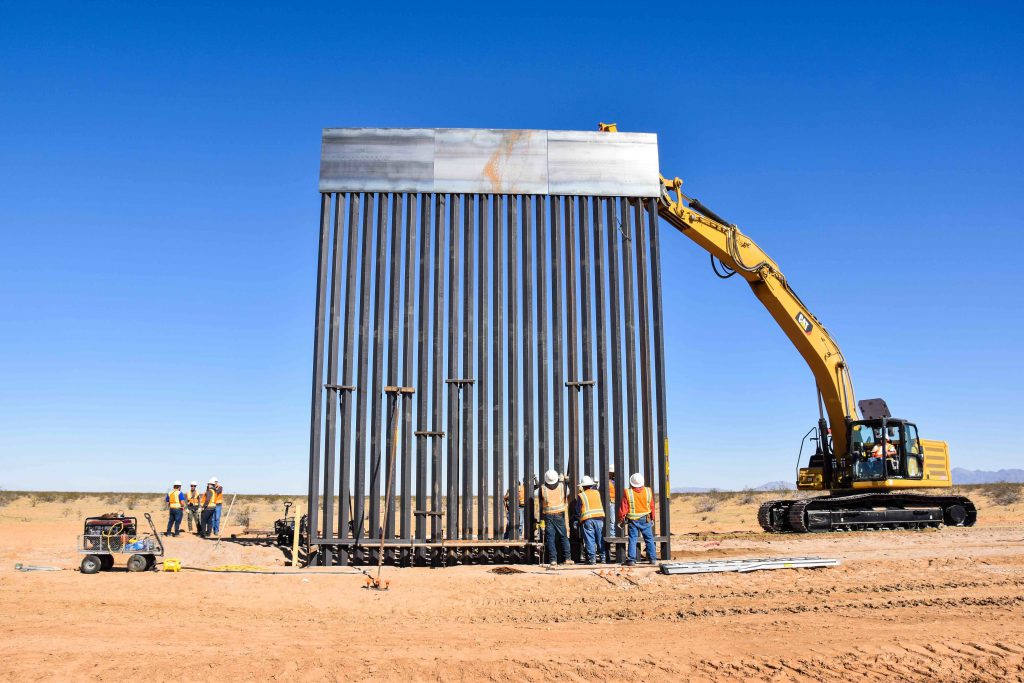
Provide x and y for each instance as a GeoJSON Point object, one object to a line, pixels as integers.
{"type": "Point", "coordinates": [936, 605]}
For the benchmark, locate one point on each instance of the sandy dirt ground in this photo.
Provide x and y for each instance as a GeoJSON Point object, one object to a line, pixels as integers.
{"type": "Point", "coordinates": [944, 605]}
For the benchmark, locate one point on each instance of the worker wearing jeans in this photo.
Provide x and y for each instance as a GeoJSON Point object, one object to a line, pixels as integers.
{"type": "Point", "coordinates": [554, 505]}
{"type": "Point", "coordinates": [637, 510]}
{"type": "Point", "coordinates": [206, 525]}
{"type": "Point", "coordinates": [590, 511]}
{"type": "Point", "coordinates": [218, 501]}
{"type": "Point", "coordinates": [211, 506]}
{"type": "Point", "coordinates": [175, 500]}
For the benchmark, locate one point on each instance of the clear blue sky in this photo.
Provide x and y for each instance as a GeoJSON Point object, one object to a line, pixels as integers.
{"type": "Point", "coordinates": [158, 212]}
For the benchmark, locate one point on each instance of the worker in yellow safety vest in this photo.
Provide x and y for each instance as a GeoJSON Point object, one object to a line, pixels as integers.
{"type": "Point", "coordinates": [518, 513]}
{"type": "Point", "coordinates": [590, 510]}
{"type": "Point", "coordinates": [193, 501]}
{"type": "Point", "coordinates": [637, 510]}
{"type": "Point", "coordinates": [218, 502]}
{"type": "Point", "coordinates": [554, 503]}
{"type": "Point", "coordinates": [175, 500]}
{"type": "Point", "coordinates": [211, 503]}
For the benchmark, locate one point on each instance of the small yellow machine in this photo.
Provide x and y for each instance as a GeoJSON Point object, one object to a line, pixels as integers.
{"type": "Point", "coordinates": [873, 465]}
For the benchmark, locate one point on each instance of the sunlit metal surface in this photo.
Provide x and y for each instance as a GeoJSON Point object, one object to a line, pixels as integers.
{"type": "Point", "coordinates": [484, 161]}
{"type": "Point", "coordinates": [449, 329]}
{"type": "Point", "coordinates": [491, 161]}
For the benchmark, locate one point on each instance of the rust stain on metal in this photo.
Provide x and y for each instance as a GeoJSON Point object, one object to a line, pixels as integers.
{"type": "Point", "coordinates": [495, 166]}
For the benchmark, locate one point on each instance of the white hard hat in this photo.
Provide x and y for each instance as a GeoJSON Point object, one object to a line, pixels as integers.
{"type": "Point", "coordinates": [611, 467]}
{"type": "Point", "coordinates": [637, 480]}
{"type": "Point", "coordinates": [551, 477]}
{"type": "Point", "coordinates": [177, 483]}
{"type": "Point", "coordinates": [194, 484]}
{"type": "Point", "coordinates": [214, 480]}
{"type": "Point", "coordinates": [587, 481]}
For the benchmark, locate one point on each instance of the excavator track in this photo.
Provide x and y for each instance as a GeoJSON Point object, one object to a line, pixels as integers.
{"type": "Point", "coordinates": [772, 515]}
{"type": "Point", "coordinates": [872, 511]}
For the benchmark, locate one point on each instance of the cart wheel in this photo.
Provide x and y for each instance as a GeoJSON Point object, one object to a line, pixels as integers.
{"type": "Point", "coordinates": [137, 563]}
{"type": "Point", "coordinates": [150, 562]}
{"type": "Point", "coordinates": [91, 564]}
{"type": "Point", "coordinates": [106, 562]}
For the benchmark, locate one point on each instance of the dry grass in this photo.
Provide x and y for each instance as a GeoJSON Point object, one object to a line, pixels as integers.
{"type": "Point", "coordinates": [747, 496]}
{"type": "Point", "coordinates": [1002, 494]}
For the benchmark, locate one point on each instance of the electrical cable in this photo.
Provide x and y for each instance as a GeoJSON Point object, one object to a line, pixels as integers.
{"type": "Point", "coordinates": [261, 571]}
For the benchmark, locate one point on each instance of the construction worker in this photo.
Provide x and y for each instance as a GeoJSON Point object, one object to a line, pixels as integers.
{"type": "Point", "coordinates": [218, 502]}
{"type": "Point", "coordinates": [883, 450]}
{"type": "Point", "coordinates": [193, 501]}
{"type": "Point", "coordinates": [553, 507]}
{"type": "Point", "coordinates": [209, 511]}
{"type": "Point", "coordinates": [637, 510]}
{"type": "Point", "coordinates": [175, 500]}
{"type": "Point", "coordinates": [591, 516]}
{"type": "Point", "coordinates": [519, 512]}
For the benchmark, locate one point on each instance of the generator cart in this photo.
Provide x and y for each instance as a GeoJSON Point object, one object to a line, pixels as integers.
{"type": "Point", "coordinates": [114, 534]}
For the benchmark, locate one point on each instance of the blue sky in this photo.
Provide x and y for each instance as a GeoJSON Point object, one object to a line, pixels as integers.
{"type": "Point", "coordinates": [158, 212]}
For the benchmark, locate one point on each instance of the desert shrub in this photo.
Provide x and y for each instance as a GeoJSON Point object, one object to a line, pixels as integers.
{"type": "Point", "coordinates": [130, 502]}
{"type": "Point", "coordinates": [66, 512]}
{"type": "Point", "coordinates": [6, 498]}
{"type": "Point", "coordinates": [245, 515]}
{"type": "Point", "coordinates": [1003, 493]}
{"type": "Point", "coordinates": [706, 504]}
{"type": "Point", "coordinates": [44, 497]}
{"type": "Point", "coordinates": [113, 499]}
{"type": "Point", "coordinates": [747, 497]}
{"type": "Point", "coordinates": [720, 496]}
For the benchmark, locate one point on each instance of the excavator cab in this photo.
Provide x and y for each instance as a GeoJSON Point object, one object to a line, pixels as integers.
{"type": "Point", "coordinates": [884, 449]}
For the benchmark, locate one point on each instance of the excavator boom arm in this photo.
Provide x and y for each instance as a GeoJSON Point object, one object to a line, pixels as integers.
{"type": "Point", "coordinates": [741, 254]}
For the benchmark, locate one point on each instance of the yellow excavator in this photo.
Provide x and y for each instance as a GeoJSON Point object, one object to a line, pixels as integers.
{"type": "Point", "coordinates": [872, 465]}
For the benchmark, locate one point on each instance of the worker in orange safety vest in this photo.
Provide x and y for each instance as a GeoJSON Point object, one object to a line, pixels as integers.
{"type": "Point", "coordinates": [211, 501]}
{"type": "Point", "coordinates": [637, 510]}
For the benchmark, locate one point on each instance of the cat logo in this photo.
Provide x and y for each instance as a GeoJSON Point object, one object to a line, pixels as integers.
{"type": "Point", "coordinates": [804, 322]}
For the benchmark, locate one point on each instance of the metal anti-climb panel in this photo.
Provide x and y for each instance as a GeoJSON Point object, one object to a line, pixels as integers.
{"type": "Point", "coordinates": [489, 161]}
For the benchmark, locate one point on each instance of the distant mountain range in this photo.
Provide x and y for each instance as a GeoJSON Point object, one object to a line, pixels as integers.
{"type": "Point", "coordinates": [962, 476]}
